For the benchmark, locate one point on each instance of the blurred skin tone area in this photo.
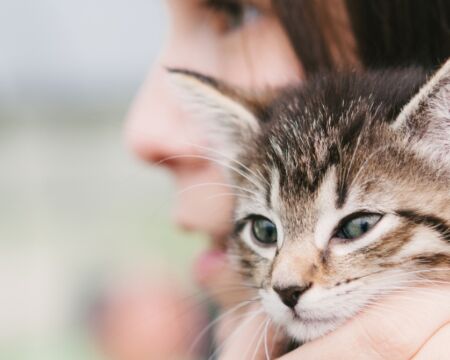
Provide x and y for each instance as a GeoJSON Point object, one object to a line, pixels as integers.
{"type": "Point", "coordinates": [235, 43]}
{"type": "Point", "coordinates": [144, 319]}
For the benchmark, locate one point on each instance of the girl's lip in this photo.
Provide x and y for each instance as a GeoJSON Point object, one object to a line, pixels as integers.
{"type": "Point", "coordinates": [208, 265]}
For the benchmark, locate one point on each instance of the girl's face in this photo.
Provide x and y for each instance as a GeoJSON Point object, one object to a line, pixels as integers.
{"type": "Point", "coordinates": [240, 42]}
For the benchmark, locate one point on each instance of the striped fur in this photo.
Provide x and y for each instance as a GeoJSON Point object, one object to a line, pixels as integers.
{"type": "Point", "coordinates": [344, 144]}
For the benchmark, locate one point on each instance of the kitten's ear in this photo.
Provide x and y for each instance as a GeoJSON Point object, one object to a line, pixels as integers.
{"type": "Point", "coordinates": [425, 120]}
{"type": "Point", "coordinates": [228, 117]}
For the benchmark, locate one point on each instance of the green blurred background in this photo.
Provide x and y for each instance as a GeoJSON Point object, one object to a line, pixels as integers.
{"type": "Point", "coordinates": [77, 210]}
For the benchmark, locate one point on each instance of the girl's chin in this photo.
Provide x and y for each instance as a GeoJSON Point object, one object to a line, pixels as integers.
{"type": "Point", "coordinates": [209, 266]}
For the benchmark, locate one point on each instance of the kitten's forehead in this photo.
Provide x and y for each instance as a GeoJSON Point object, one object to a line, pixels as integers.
{"type": "Point", "coordinates": [313, 128]}
{"type": "Point", "coordinates": [340, 126]}
{"type": "Point", "coordinates": [318, 142]}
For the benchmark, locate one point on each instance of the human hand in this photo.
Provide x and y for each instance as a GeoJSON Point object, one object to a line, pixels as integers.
{"type": "Point", "coordinates": [144, 318]}
{"type": "Point", "coordinates": [414, 324]}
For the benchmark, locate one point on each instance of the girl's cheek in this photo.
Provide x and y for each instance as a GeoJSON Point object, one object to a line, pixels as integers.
{"type": "Point", "coordinates": [157, 116]}
{"type": "Point", "coordinates": [160, 131]}
{"type": "Point", "coordinates": [152, 120]}
{"type": "Point", "coordinates": [203, 201]}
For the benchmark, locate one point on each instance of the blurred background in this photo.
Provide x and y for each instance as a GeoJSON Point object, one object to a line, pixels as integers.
{"type": "Point", "coordinates": [77, 211]}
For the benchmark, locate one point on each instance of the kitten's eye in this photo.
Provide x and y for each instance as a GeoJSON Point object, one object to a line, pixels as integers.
{"type": "Point", "coordinates": [264, 231]}
{"type": "Point", "coordinates": [357, 226]}
{"type": "Point", "coordinates": [235, 13]}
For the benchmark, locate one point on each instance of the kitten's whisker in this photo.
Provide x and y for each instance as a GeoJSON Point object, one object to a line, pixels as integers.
{"type": "Point", "coordinates": [263, 337]}
{"type": "Point", "coordinates": [189, 309]}
{"type": "Point", "coordinates": [382, 313]}
{"type": "Point", "coordinates": [258, 333]}
{"type": "Point", "coordinates": [366, 161]}
{"type": "Point", "coordinates": [250, 317]}
{"type": "Point", "coordinates": [195, 186]}
{"type": "Point", "coordinates": [215, 321]}
{"type": "Point", "coordinates": [415, 275]}
{"type": "Point", "coordinates": [215, 151]}
{"type": "Point", "coordinates": [401, 273]}
{"type": "Point", "coordinates": [211, 295]}
{"type": "Point", "coordinates": [266, 345]}
{"type": "Point", "coordinates": [208, 158]}
{"type": "Point", "coordinates": [401, 292]}
{"type": "Point", "coordinates": [275, 337]}
{"type": "Point", "coordinates": [376, 307]}
{"type": "Point", "coordinates": [234, 195]}
{"type": "Point", "coordinates": [421, 281]}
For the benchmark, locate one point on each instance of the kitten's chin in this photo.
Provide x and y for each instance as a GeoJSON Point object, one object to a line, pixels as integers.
{"type": "Point", "coordinates": [309, 321]}
{"type": "Point", "coordinates": [304, 331]}
{"type": "Point", "coordinates": [299, 328]}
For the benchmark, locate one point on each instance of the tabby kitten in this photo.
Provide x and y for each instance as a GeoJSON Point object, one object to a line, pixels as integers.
{"type": "Point", "coordinates": [342, 189]}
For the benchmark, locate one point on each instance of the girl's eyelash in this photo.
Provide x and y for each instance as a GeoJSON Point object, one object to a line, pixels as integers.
{"type": "Point", "coordinates": [232, 14]}
{"type": "Point", "coordinates": [232, 9]}
{"type": "Point", "coordinates": [229, 6]}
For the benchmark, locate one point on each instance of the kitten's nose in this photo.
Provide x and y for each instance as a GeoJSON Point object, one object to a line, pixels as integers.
{"type": "Point", "coordinates": [290, 295]}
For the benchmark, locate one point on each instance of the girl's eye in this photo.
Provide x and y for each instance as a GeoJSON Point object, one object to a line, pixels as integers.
{"type": "Point", "coordinates": [357, 226]}
{"type": "Point", "coordinates": [235, 14]}
{"type": "Point", "coordinates": [264, 231]}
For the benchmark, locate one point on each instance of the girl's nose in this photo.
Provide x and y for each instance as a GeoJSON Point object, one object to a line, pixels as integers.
{"type": "Point", "coordinates": [157, 129]}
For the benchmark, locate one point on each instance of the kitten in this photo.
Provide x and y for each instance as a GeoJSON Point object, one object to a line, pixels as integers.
{"type": "Point", "coordinates": [342, 189]}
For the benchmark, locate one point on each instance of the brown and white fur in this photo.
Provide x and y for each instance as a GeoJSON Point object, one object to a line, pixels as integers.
{"type": "Point", "coordinates": [314, 154]}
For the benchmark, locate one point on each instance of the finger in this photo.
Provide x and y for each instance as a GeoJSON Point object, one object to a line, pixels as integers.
{"type": "Point", "coordinates": [437, 347]}
{"type": "Point", "coordinates": [394, 329]}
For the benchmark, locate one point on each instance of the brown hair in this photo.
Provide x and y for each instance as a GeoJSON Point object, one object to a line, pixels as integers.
{"type": "Point", "coordinates": [330, 34]}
